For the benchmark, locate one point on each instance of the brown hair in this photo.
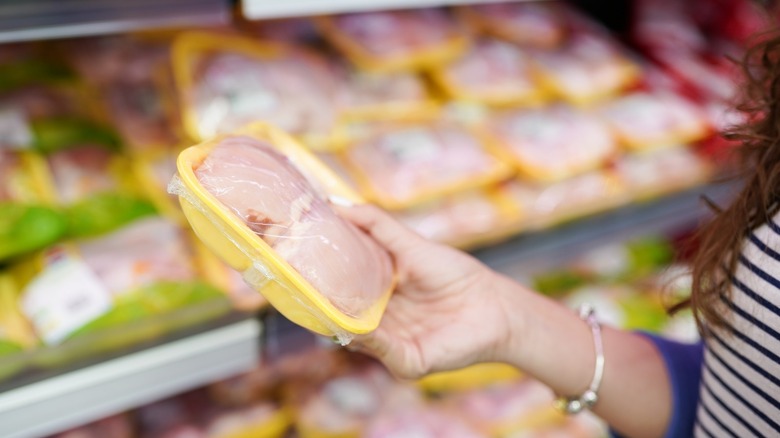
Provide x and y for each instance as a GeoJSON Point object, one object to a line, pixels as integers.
{"type": "Point", "coordinates": [758, 158]}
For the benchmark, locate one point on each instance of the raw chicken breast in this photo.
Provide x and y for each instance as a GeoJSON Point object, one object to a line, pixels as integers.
{"type": "Point", "coordinates": [662, 170]}
{"type": "Point", "coordinates": [492, 68]}
{"type": "Point", "coordinates": [397, 33]}
{"type": "Point", "coordinates": [140, 254]}
{"type": "Point", "coordinates": [370, 89]}
{"type": "Point", "coordinates": [587, 66]}
{"type": "Point", "coordinates": [543, 205]}
{"type": "Point", "coordinates": [420, 422]}
{"type": "Point", "coordinates": [275, 200]}
{"type": "Point", "coordinates": [527, 23]}
{"type": "Point", "coordinates": [400, 165]}
{"type": "Point", "coordinates": [16, 183]}
{"type": "Point", "coordinates": [553, 143]}
{"type": "Point", "coordinates": [496, 407]}
{"type": "Point", "coordinates": [81, 171]}
{"type": "Point", "coordinates": [454, 219]}
{"type": "Point", "coordinates": [295, 92]}
{"type": "Point", "coordinates": [644, 120]}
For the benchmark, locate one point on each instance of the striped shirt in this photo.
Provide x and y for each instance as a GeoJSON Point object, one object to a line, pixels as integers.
{"type": "Point", "coordinates": [739, 393]}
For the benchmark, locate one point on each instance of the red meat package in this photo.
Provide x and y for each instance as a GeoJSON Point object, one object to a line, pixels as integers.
{"type": "Point", "coordinates": [395, 40]}
{"type": "Point", "coordinates": [403, 165]}
{"type": "Point", "coordinates": [645, 121]}
{"type": "Point", "coordinates": [552, 143]}
{"type": "Point", "coordinates": [539, 24]}
{"type": "Point", "coordinates": [492, 72]}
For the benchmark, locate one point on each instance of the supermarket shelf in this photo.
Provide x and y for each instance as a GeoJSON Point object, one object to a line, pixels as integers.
{"type": "Point", "coordinates": [113, 386]}
{"type": "Point", "coordinates": [25, 20]}
{"type": "Point", "coordinates": [538, 251]}
{"type": "Point", "coordinates": [258, 9]}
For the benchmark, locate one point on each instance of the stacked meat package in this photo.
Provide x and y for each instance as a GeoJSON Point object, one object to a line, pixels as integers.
{"type": "Point", "coordinates": [470, 124]}
{"type": "Point", "coordinates": [312, 390]}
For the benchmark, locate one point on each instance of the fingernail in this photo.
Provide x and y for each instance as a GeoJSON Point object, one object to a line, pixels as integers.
{"type": "Point", "coordinates": [340, 201]}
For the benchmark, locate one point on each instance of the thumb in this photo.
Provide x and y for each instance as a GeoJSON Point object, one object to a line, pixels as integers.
{"type": "Point", "coordinates": [385, 229]}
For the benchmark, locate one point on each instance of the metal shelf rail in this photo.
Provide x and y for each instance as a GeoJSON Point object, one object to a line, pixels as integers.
{"type": "Point", "coordinates": [87, 394]}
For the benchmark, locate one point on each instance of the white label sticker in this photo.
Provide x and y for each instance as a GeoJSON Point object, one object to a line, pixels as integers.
{"type": "Point", "coordinates": [63, 298]}
{"type": "Point", "coordinates": [14, 130]}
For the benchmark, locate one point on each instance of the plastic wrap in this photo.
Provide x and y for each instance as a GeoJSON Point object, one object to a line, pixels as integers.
{"type": "Point", "coordinates": [49, 118]}
{"type": "Point", "coordinates": [420, 421]}
{"type": "Point", "coordinates": [342, 406]}
{"type": "Point", "coordinates": [25, 224]}
{"type": "Point", "coordinates": [538, 24]}
{"type": "Point", "coordinates": [552, 143]}
{"type": "Point", "coordinates": [400, 166]}
{"type": "Point", "coordinates": [474, 377]}
{"type": "Point", "coordinates": [492, 72]}
{"type": "Point", "coordinates": [541, 206]}
{"type": "Point", "coordinates": [97, 189]}
{"type": "Point", "coordinates": [505, 408]}
{"type": "Point", "coordinates": [586, 68]}
{"type": "Point", "coordinates": [662, 171]}
{"type": "Point", "coordinates": [266, 215]}
{"type": "Point", "coordinates": [386, 95]}
{"type": "Point", "coordinates": [16, 335]}
{"type": "Point", "coordinates": [148, 273]}
{"type": "Point", "coordinates": [226, 82]}
{"type": "Point", "coordinates": [646, 121]}
{"type": "Point", "coordinates": [395, 40]}
{"type": "Point", "coordinates": [260, 420]}
{"type": "Point", "coordinates": [461, 220]}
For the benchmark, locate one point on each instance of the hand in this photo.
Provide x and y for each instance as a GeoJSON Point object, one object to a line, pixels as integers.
{"type": "Point", "coordinates": [444, 313]}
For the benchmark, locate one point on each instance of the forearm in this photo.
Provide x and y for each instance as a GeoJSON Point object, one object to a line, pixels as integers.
{"type": "Point", "coordinates": [551, 343]}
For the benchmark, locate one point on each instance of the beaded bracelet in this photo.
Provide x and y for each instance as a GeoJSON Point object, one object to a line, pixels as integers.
{"type": "Point", "coordinates": [575, 405]}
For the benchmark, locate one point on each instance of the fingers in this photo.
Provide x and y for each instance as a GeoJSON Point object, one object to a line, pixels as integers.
{"type": "Point", "coordinates": [377, 223]}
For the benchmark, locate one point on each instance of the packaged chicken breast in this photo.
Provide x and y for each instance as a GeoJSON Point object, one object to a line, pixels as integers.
{"type": "Point", "coordinates": [662, 171]}
{"type": "Point", "coordinates": [96, 188]}
{"type": "Point", "coordinates": [49, 118]}
{"type": "Point", "coordinates": [116, 290]}
{"type": "Point", "coordinates": [258, 200]}
{"type": "Point", "coordinates": [472, 378]}
{"type": "Point", "coordinates": [492, 72]}
{"type": "Point", "coordinates": [543, 205]}
{"type": "Point", "coordinates": [399, 95]}
{"type": "Point", "coordinates": [259, 420]}
{"type": "Point", "coordinates": [586, 68]}
{"type": "Point", "coordinates": [463, 220]}
{"type": "Point", "coordinates": [552, 143]}
{"type": "Point", "coordinates": [420, 420]}
{"type": "Point", "coordinates": [395, 40]}
{"type": "Point", "coordinates": [16, 335]}
{"type": "Point", "coordinates": [226, 82]}
{"type": "Point", "coordinates": [645, 121]}
{"type": "Point", "coordinates": [536, 24]}
{"type": "Point", "coordinates": [26, 223]}
{"type": "Point", "coordinates": [401, 165]}
{"type": "Point", "coordinates": [505, 408]}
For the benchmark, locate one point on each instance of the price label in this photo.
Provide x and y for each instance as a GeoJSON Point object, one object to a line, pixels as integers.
{"type": "Point", "coordinates": [63, 298]}
{"type": "Point", "coordinates": [14, 129]}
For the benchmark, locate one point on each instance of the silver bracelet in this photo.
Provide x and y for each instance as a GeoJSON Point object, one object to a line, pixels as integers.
{"type": "Point", "coordinates": [574, 405]}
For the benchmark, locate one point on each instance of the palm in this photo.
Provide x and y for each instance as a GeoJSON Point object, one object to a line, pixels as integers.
{"type": "Point", "coordinates": [441, 317]}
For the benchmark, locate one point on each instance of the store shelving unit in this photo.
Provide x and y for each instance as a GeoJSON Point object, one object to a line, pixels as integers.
{"type": "Point", "coordinates": [26, 20]}
{"type": "Point", "coordinates": [534, 252]}
{"type": "Point", "coordinates": [258, 9]}
{"type": "Point", "coordinates": [86, 394]}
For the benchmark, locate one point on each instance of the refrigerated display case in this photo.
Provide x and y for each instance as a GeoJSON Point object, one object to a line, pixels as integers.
{"type": "Point", "coordinates": [137, 112]}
